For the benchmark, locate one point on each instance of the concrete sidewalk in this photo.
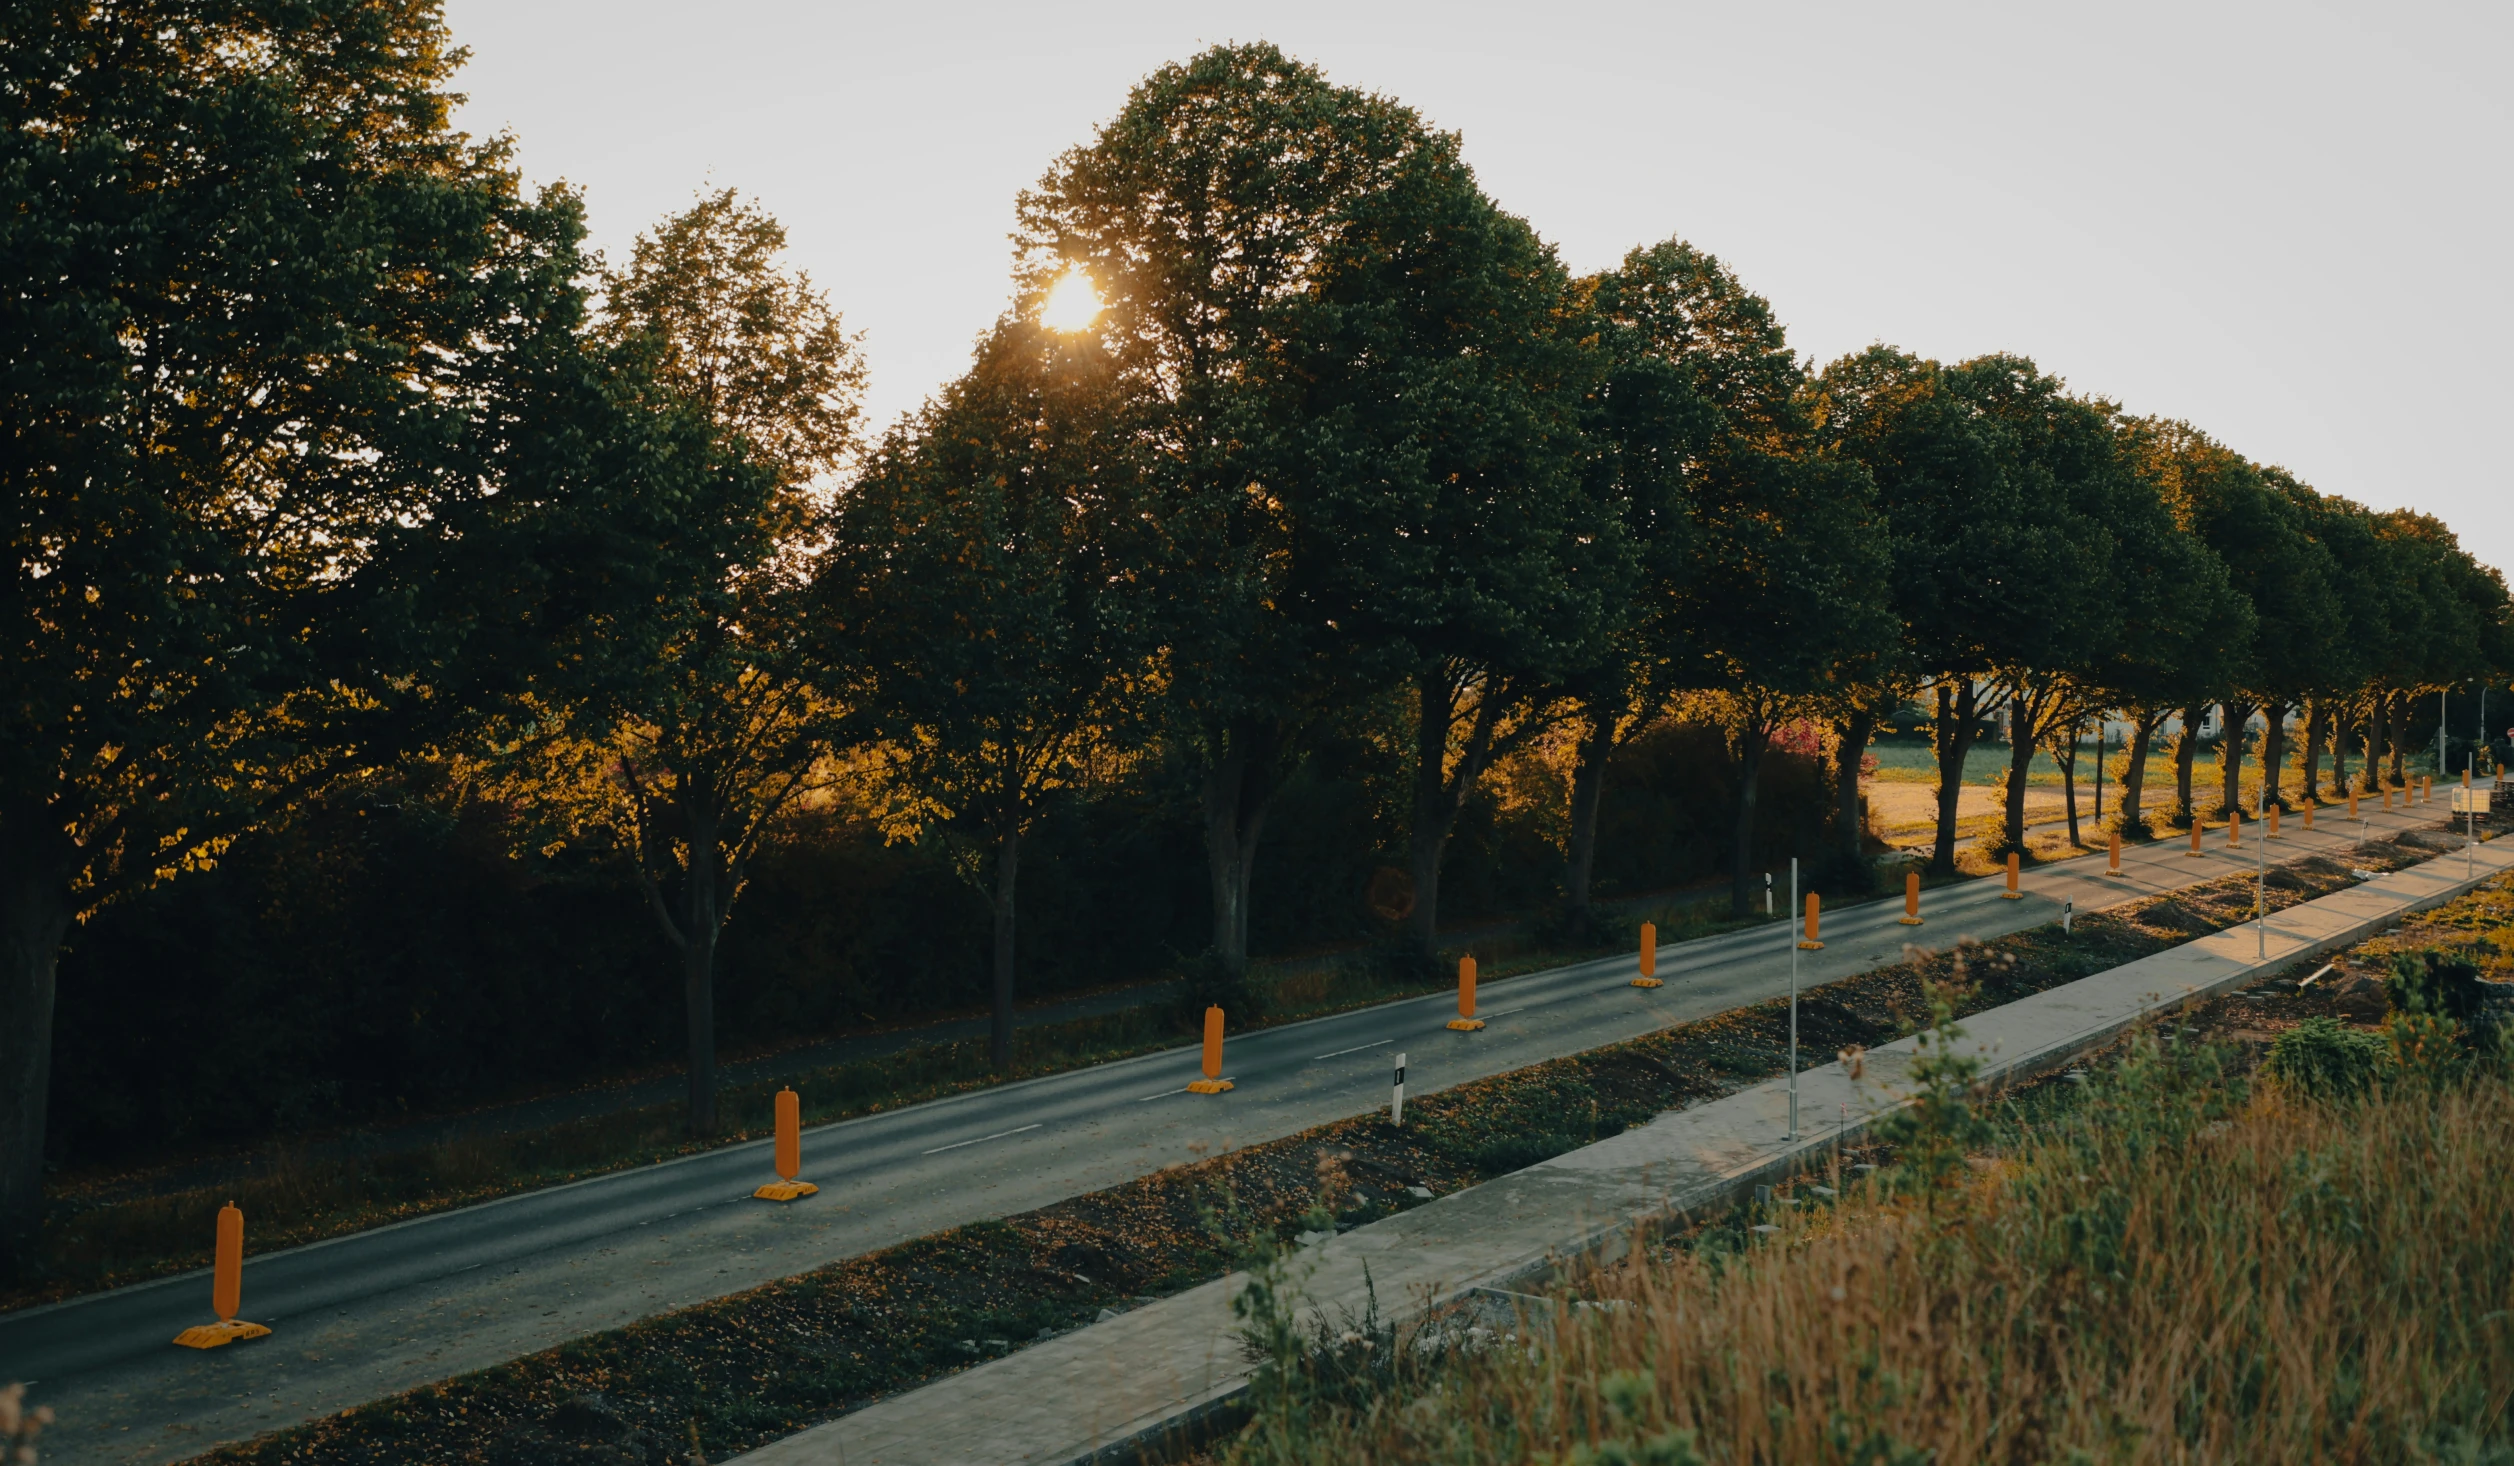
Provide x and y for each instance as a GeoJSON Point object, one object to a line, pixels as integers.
{"type": "Point", "coordinates": [1101, 1389]}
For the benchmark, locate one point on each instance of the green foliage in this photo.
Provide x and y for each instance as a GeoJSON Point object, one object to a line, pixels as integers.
{"type": "Point", "coordinates": [2326, 1058]}
{"type": "Point", "coordinates": [303, 424]}
{"type": "Point", "coordinates": [2439, 984]}
{"type": "Point", "coordinates": [1629, 1397]}
{"type": "Point", "coordinates": [1205, 980]}
{"type": "Point", "coordinates": [1943, 1123]}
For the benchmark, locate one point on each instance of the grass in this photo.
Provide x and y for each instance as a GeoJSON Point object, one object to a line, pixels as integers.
{"type": "Point", "coordinates": [295, 1197]}
{"type": "Point", "coordinates": [2168, 1263]}
{"type": "Point", "coordinates": [746, 1369]}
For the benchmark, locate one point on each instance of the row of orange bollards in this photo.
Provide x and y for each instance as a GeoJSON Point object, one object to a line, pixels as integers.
{"type": "Point", "coordinates": [227, 1265]}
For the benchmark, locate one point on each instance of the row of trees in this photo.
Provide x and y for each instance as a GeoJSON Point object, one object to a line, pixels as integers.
{"type": "Point", "coordinates": [330, 447]}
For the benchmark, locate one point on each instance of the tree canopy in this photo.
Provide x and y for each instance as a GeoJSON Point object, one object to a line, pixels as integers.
{"type": "Point", "coordinates": [332, 455]}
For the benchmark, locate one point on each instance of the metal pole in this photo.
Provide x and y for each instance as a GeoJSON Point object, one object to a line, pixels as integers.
{"type": "Point", "coordinates": [1797, 915]}
{"type": "Point", "coordinates": [2261, 873]}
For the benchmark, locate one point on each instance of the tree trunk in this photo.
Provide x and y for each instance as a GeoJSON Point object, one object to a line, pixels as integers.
{"type": "Point", "coordinates": [2343, 735]}
{"type": "Point", "coordinates": [999, 1034]}
{"type": "Point", "coordinates": [691, 923]}
{"type": "Point", "coordinates": [2021, 742]}
{"type": "Point", "coordinates": [1850, 824]}
{"type": "Point", "coordinates": [2397, 717]}
{"type": "Point", "coordinates": [1951, 737]}
{"type": "Point", "coordinates": [1238, 790]}
{"type": "Point", "coordinates": [2378, 709]}
{"type": "Point", "coordinates": [2317, 729]}
{"type": "Point", "coordinates": [2186, 751]}
{"type": "Point", "coordinates": [1440, 795]}
{"type": "Point", "coordinates": [2230, 741]}
{"type": "Point", "coordinates": [1588, 791]}
{"type": "Point", "coordinates": [34, 917]}
{"type": "Point", "coordinates": [1751, 734]}
{"type": "Point", "coordinates": [698, 998]}
{"type": "Point", "coordinates": [2067, 758]}
{"type": "Point", "coordinates": [2132, 821]}
{"type": "Point", "coordinates": [2274, 755]}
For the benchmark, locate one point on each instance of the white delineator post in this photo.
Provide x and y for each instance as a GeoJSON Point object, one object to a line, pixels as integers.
{"type": "Point", "coordinates": [1396, 1101]}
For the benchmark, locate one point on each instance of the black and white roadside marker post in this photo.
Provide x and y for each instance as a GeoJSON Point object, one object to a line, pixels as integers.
{"type": "Point", "coordinates": [1396, 1101]}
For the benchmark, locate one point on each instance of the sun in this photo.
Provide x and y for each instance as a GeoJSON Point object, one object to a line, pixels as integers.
{"type": "Point", "coordinates": [1072, 303]}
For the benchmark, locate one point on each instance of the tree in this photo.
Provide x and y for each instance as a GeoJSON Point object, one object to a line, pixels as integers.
{"type": "Point", "coordinates": [1983, 555]}
{"type": "Point", "coordinates": [2183, 625]}
{"type": "Point", "coordinates": [2064, 471]}
{"type": "Point", "coordinates": [1488, 563]}
{"type": "Point", "coordinates": [294, 395]}
{"type": "Point", "coordinates": [720, 732]}
{"type": "Point", "coordinates": [1759, 569]}
{"type": "Point", "coordinates": [981, 585]}
{"type": "Point", "coordinates": [1219, 216]}
{"type": "Point", "coordinates": [2260, 535]}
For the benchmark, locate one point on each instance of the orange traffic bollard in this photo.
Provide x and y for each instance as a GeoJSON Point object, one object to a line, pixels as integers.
{"type": "Point", "coordinates": [789, 1153]}
{"type": "Point", "coordinates": [226, 1290]}
{"type": "Point", "coordinates": [1649, 977]}
{"type": "Point", "coordinates": [2272, 832]}
{"type": "Point", "coordinates": [2387, 796]}
{"type": "Point", "coordinates": [2234, 829]}
{"type": "Point", "coordinates": [1807, 938]}
{"type": "Point", "coordinates": [1213, 1082]}
{"type": "Point", "coordinates": [2012, 893]}
{"type": "Point", "coordinates": [2112, 859]}
{"type": "Point", "coordinates": [2308, 814]}
{"type": "Point", "coordinates": [2465, 776]}
{"type": "Point", "coordinates": [2195, 834]}
{"type": "Point", "coordinates": [1911, 898]}
{"type": "Point", "coordinates": [1466, 1021]}
{"type": "Point", "coordinates": [2426, 788]}
{"type": "Point", "coordinates": [2352, 804]}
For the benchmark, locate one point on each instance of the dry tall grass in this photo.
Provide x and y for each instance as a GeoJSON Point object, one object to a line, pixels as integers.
{"type": "Point", "coordinates": [2138, 1279]}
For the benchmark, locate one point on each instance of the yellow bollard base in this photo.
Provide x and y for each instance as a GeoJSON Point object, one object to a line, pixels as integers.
{"type": "Point", "coordinates": [786, 1191]}
{"type": "Point", "coordinates": [2011, 895]}
{"type": "Point", "coordinates": [1811, 946]}
{"type": "Point", "coordinates": [1907, 921]}
{"type": "Point", "coordinates": [212, 1335]}
{"type": "Point", "coordinates": [1647, 982]}
{"type": "Point", "coordinates": [1209, 1086]}
{"type": "Point", "coordinates": [1466, 1025]}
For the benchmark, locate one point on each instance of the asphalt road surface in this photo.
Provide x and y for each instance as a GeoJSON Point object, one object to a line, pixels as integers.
{"type": "Point", "coordinates": [373, 1314]}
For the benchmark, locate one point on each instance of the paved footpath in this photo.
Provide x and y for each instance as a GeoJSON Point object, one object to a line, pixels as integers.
{"type": "Point", "coordinates": [370, 1315]}
{"type": "Point", "coordinates": [1092, 1392]}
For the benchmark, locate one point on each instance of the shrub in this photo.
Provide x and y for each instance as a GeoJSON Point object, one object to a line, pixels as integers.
{"type": "Point", "coordinates": [2438, 984]}
{"type": "Point", "coordinates": [2327, 1059]}
{"type": "Point", "coordinates": [1208, 982]}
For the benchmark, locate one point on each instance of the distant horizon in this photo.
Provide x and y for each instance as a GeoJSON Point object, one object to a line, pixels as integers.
{"type": "Point", "coordinates": [2257, 222]}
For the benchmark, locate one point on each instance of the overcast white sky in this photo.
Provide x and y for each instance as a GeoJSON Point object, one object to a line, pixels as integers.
{"type": "Point", "coordinates": [2287, 224]}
